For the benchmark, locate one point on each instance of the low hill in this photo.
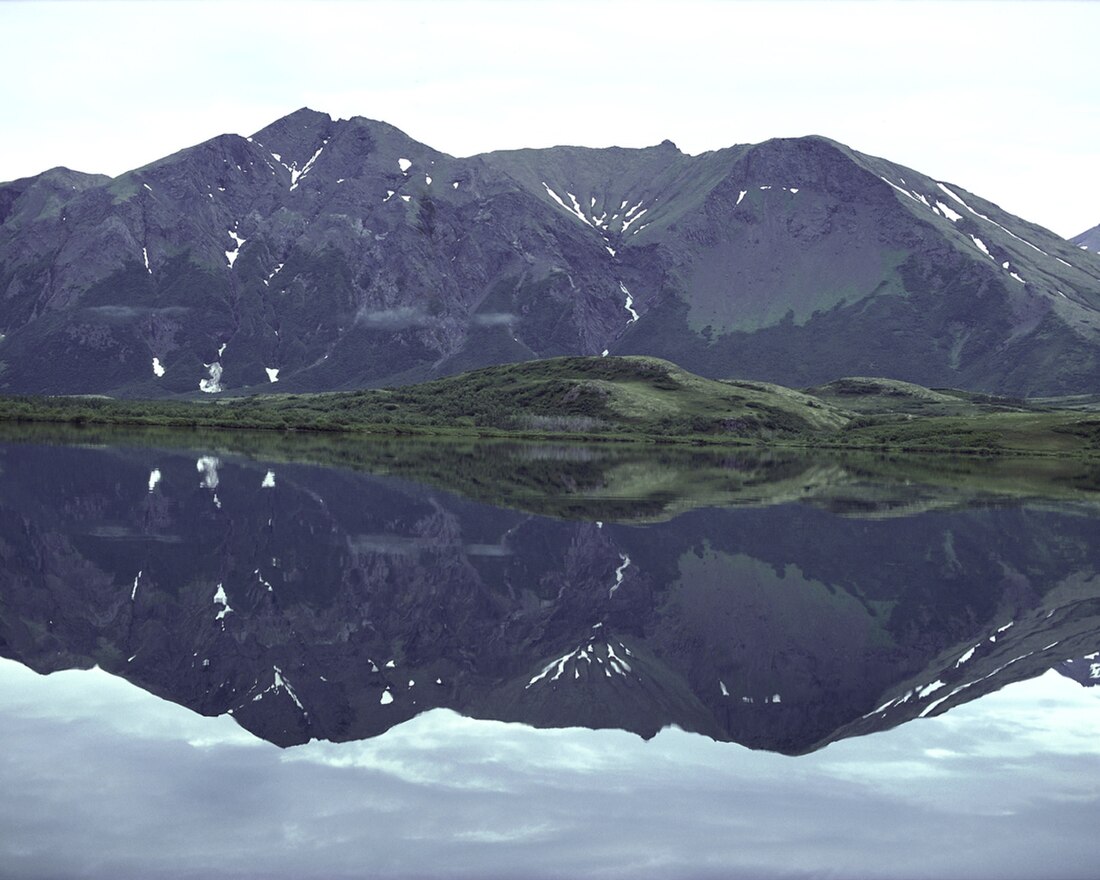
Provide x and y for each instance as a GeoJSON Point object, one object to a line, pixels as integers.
{"type": "Point", "coordinates": [629, 397]}
{"type": "Point", "coordinates": [626, 399]}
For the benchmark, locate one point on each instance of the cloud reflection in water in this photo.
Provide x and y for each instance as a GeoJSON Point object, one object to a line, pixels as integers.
{"type": "Point", "coordinates": [107, 781]}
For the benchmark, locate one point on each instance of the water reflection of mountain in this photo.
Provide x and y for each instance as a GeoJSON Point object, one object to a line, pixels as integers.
{"type": "Point", "coordinates": [326, 602]}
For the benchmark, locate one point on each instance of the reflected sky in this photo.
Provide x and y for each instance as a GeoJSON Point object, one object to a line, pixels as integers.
{"type": "Point", "coordinates": [107, 781]}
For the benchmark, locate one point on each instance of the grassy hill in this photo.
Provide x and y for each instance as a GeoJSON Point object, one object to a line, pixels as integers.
{"type": "Point", "coordinates": [629, 399]}
{"type": "Point", "coordinates": [624, 398]}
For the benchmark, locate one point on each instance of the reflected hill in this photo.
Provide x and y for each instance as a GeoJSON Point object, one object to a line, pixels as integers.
{"type": "Point", "coordinates": [774, 600]}
{"type": "Point", "coordinates": [633, 482]}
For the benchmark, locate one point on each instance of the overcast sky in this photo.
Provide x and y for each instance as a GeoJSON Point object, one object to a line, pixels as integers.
{"type": "Point", "coordinates": [998, 97]}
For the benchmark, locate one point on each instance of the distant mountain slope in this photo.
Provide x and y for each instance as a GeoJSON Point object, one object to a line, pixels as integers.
{"type": "Point", "coordinates": [326, 254]}
{"type": "Point", "coordinates": [1088, 240]}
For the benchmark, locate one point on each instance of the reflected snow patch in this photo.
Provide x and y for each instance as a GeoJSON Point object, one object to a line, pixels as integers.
{"type": "Point", "coordinates": [221, 599]}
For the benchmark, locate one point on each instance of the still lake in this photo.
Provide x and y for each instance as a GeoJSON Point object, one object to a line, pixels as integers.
{"type": "Point", "coordinates": [305, 657]}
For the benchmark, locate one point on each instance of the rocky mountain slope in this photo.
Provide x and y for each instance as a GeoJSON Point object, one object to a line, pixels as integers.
{"type": "Point", "coordinates": [331, 254]}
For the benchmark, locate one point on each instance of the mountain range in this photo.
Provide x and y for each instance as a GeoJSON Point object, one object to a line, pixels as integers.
{"type": "Point", "coordinates": [323, 254]}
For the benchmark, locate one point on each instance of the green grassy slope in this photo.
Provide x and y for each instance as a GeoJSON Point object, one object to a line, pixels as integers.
{"type": "Point", "coordinates": [628, 398]}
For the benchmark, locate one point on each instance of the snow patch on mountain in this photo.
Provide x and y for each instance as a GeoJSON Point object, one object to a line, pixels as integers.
{"type": "Point", "coordinates": [575, 210]}
{"type": "Point", "coordinates": [231, 256]}
{"type": "Point", "coordinates": [980, 245]}
{"type": "Point", "coordinates": [629, 304]}
{"type": "Point", "coordinates": [990, 220]}
{"type": "Point", "coordinates": [296, 175]}
{"type": "Point", "coordinates": [952, 215]}
{"type": "Point", "coordinates": [635, 218]}
{"type": "Point", "coordinates": [213, 383]}
{"type": "Point", "coordinates": [904, 192]}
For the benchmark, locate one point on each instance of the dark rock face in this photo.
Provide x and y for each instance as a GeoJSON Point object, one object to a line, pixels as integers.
{"type": "Point", "coordinates": [337, 254]}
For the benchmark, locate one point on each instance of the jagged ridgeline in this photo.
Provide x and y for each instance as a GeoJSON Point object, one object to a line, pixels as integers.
{"type": "Point", "coordinates": [326, 255]}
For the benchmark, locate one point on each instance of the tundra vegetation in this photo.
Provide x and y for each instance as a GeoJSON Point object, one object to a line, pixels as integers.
{"type": "Point", "coordinates": [629, 399]}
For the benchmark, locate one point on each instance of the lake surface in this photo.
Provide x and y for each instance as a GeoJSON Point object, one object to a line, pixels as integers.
{"type": "Point", "coordinates": [298, 657]}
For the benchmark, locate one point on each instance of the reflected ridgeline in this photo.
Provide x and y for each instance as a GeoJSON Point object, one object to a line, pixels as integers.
{"type": "Point", "coordinates": [781, 602]}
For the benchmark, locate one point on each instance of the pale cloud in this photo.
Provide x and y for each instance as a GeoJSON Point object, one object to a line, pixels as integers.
{"type": "Point", "coordinates": [76, 695]}
{"type": "Point", "coordinates": [100, 766]}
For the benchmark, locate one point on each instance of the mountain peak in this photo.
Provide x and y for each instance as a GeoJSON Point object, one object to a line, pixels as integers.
{"type": "Point", "coordinates": [296, 136]}
{"type": "Point", "coordinates": [301, 116]}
